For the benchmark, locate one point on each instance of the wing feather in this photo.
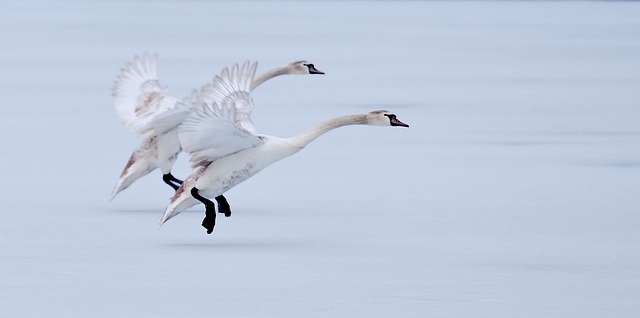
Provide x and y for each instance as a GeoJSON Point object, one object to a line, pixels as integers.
{"type": "Point", "coordinates": [141, 102]}
{"type": "Point", "coordinates": [220, 122]}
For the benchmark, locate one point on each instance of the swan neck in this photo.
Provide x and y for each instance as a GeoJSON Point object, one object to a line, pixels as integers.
{"type": "Point", "coordinates": [316, 131]}
{"type": "Point", "coordinates": [268, 75]}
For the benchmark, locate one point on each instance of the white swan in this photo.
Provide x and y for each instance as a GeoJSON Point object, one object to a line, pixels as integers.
{"type": "Point", "coordinates": [148, 109]}
{"type": "Point", "coordinates": [225, 150]}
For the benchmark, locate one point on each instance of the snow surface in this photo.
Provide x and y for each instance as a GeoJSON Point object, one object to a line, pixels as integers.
{"type": "Point", "coordinates": [514, 193]}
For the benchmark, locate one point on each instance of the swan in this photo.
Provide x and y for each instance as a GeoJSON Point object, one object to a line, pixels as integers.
{"type": "Point", "coordinates": [147, 108]}
{"type": "Point", "coordinates": [225, 149]}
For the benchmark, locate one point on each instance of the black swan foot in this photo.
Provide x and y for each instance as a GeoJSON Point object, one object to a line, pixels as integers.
{"type": "Point", "coordinates": [209, 221]}
{"type": "Point", "coordinates": [223, 206]}
{"type": "Point", "coordinates": [170, 179]}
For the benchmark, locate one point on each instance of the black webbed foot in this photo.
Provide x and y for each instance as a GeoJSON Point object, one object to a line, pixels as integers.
{"type": "Point", "coordinates": [170, 179]}
{"type": "Point", "coordinates": [223, 206]}
{"type": "Point", "coordinates": [176, 180]}
{"type": "Point", "coordinates": [209, 221]}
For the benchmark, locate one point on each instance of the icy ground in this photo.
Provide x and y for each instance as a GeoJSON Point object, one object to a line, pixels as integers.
{"type": "Point", "coordinates": [514, 193]}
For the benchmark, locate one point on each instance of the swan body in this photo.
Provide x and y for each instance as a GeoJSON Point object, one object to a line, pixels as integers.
{"type": "Point", "coordinates": [215, 178]}
{"type": "Point", "coordinates": [148, 109]}
{"type": "Point", "coordinates": [225, 149]}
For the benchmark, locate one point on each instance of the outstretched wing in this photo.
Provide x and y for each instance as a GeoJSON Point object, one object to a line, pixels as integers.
{"type": "Point", "coordinates": [141, 103]}
{"type": "Point", "coordinates": [220, 122]}
{"type": "Point", "coordinates": [227, 88]}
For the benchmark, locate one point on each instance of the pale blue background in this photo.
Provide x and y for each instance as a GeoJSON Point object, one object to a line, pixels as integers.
{"type": "Point", "coordinates": [513, 194]}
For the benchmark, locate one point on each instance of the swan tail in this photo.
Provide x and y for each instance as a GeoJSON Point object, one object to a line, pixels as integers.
{"type": "Point", "coordinates": [180, 201]}
{"type": "Point", "coordinates": [135, 169]}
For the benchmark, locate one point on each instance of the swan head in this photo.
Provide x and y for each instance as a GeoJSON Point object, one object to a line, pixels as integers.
{"type": "Point", "coordinates": [303, 67]}
{"type": "Point", "coordinates": [384, 118]}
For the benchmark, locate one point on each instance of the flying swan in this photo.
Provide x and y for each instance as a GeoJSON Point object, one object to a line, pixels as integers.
{"type": "Point", "coordinates": [147, 108]}
{"type": "Point", "coordinates": [225, 149]}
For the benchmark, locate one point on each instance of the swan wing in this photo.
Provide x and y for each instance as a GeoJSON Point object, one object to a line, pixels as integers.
{"type": "Point", "coordinates": [220, 122]}
{"type": "Point", "coordinates": [229, 89]}
{"type": "Point", "coordinates": [211, 132]}
{"type": "Point", "coordinates": [141, 102]}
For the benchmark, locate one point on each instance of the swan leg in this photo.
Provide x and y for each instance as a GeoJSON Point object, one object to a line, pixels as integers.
{"type": "Point", "coordinates": [209, 221]}
{"type": "Point", "coordinates": [223, 206]}
{"type": "Point", "coordinates": [174, 179]}
{"type": "Point", "coordinates": [170, 179]}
